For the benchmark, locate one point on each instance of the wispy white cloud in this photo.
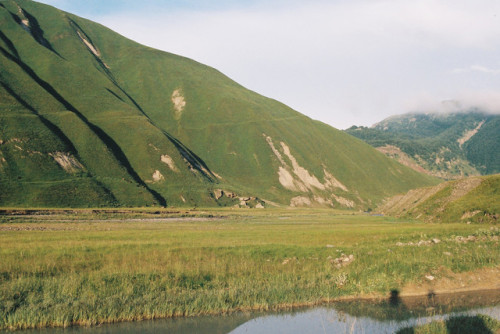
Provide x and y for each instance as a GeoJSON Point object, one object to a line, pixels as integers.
{"type": "Point", "coordinates": [476, 68]}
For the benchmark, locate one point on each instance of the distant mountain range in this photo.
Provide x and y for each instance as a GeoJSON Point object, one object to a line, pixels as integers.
{"type": "Point", "coordinates": [90, 118]}
{"type": "Point", "coordinates": [447, 145]}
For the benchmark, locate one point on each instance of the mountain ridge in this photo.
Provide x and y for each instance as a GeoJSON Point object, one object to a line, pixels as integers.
{"type": "Point", "coordinates": [448, 145]}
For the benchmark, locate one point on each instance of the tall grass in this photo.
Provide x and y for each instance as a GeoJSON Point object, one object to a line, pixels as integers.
{"type": "Point", "coordinates": [89, 272]}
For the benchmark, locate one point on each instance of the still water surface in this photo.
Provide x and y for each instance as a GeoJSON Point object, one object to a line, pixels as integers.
{"type": "Point", "coordinates": [382, 316]}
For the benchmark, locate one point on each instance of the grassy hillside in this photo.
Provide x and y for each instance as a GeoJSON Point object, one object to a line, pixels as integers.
{"type": "Point", "coordinates": [446, 145]}
{"type": "Point", "coordinates": [90, 118]}
{"type": "Point", "coordinates": [474, 199]}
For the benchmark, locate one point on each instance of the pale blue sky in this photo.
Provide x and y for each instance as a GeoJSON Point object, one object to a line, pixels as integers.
{"type": "Point", "coordinates": [341, 62]}
{"type": "Point", "coordinates": [107, 7]}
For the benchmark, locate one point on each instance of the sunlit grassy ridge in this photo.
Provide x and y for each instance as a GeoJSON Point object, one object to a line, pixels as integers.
{"type": "Point", "coordinates": [473, 199]}
{"type": "Point", "coordinates": [88, 272]}
{"type": "Point", "coordinates": [137, 126]}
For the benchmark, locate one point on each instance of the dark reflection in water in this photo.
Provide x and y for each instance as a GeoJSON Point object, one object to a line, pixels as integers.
{"type": "Point", "coordinates": [359, 316]}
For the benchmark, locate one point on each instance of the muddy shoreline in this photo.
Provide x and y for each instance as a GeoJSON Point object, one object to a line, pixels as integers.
{"type": "Point", "coordinates": [411, 299]}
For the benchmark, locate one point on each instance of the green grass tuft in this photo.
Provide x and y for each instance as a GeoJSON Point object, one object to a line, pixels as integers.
{"type": "Point", "coordinates": [480, 324]}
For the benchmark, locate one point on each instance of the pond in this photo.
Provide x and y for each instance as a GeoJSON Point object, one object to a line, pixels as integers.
{"type": "Point", "coordinates": [356, 316]}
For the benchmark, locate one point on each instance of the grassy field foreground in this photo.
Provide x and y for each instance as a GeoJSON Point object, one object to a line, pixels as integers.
{"type": "Point", "coordinates": [88, 271]}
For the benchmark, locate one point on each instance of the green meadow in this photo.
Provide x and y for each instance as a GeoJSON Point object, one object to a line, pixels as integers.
{"type": "Point", "coordinates": [86, 268]}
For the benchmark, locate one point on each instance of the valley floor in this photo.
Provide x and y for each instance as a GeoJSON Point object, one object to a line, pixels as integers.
{"type": "Point", "coordinates": [61, 268]}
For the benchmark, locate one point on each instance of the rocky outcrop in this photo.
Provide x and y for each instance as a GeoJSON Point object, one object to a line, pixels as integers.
{"type": "Point", "coordinates": [342, 261]}
{"type": "Point", "coordinates": [231, 198]}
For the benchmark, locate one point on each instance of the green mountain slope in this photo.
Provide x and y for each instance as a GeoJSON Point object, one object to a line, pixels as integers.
{"type": "Point", "coordinates": [90, 118]}
{"type": "Point", "coordinates": [446, 145]}
{"type": "Point", "coordinates": [473, 199]}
